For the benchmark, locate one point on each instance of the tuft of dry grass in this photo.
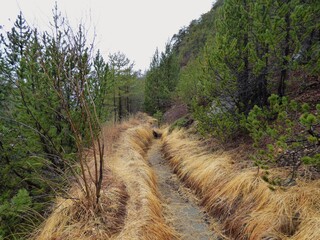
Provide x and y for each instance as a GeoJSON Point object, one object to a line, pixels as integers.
{"type": "Point", "coordinates": [73, 218]}
{"type": "Point", "coordinates": [239, 199]}
{"type": "Point", "coordinates": [144, 210]}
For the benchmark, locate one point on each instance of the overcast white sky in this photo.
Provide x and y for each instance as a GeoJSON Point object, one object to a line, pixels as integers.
{"type": "Point", "coordinates": [134, 27]}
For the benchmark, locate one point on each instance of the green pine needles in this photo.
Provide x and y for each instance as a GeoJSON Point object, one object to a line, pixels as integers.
{"type": "Point", "coordinates": [285, 133]}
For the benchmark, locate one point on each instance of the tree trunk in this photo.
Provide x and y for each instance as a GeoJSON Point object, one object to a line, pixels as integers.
{"type": "Point", "coordinates": [127, 100]}
{"type": "Point", "coordinates": [243, 78]}
{"type": "Point", "coordinates": [120, 105]}
{"type": "Point", "coordinates": [263, 82]}
{"type": "Point", "coordinates": [284, 70]}
{"type": "Point", "coordinates": [114, 107]}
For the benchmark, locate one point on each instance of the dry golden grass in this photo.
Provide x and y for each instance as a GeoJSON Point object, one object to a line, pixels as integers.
{"type": "Point", "coordinates": [75, 219]}
{"type": "Point", "coordinates": [129, 206]}
{"type": "Point", "coordinates": [144, 211]}
{"type": "Point", "coordinates": [241, 201]}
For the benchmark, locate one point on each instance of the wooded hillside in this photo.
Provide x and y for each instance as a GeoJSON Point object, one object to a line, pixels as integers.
{"type": "Point", "coordinates": [247, 69]}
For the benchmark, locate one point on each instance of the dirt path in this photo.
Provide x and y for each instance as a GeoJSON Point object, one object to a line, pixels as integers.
{"type": "Point", "coordinates": [180, 208]}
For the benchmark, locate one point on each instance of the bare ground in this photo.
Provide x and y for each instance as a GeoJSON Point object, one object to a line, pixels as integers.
{"type": "Point", "coordinates": [180, 206]}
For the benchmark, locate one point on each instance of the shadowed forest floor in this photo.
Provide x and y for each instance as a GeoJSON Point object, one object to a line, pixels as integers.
{"type": "Point", "coordinates": [180, 206]}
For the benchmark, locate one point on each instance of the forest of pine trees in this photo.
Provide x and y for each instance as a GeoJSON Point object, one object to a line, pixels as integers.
{"type": "Point", "coordinates": [55, 92]}
{"type": "Point", "coordinates": [248, 69]}
{"type": "Point", "coordinates": [240, 52]}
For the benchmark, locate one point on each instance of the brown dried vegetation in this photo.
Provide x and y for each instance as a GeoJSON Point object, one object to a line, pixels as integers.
{"type": "Point", "coordinates": [246, 206]}
{"type": "Point", "coordinates": [129, 206]}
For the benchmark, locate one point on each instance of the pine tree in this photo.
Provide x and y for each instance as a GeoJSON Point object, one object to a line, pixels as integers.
{"type": "Point", "coordinates": [122, 74]}
{"type": "Point", "coordinates": [305, 33]}
{"type": "Point", "coordinates": [155, 92]}
{"type": "Point", "coordinates": [99, 82]}
{"type": "Point", "coordinates": [227, 56]}
{"type": "Point", "coordinates": [161, 80]}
